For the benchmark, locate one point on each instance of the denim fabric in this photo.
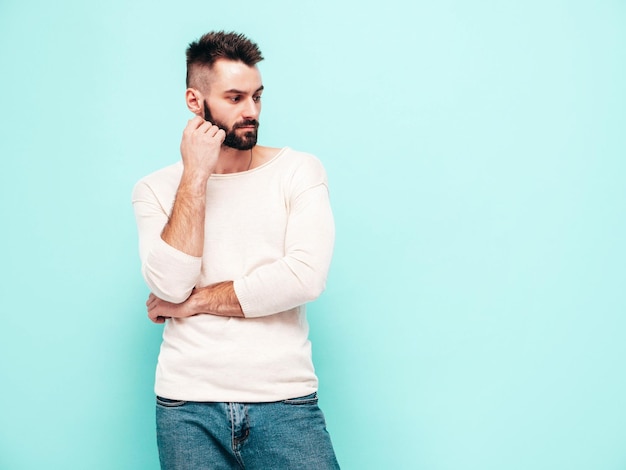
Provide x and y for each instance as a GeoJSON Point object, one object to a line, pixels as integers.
{"type": "Point", "coordinates": [289, 434]}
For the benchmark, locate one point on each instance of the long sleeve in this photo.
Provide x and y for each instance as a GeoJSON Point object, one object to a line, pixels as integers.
{"type": "Point", "coordinates": [169, 273]}
{"type": "Point", "coordinates": [299, 276]}
{"type": "Point", "coordinates": [270, 230]}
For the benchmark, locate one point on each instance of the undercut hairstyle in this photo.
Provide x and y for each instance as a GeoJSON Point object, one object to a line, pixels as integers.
{"type": "Point", "coordinates": [219, 45]}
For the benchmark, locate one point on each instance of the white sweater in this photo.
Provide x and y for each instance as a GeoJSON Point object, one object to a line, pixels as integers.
{"type": "Point", "coordinates": [271, 231]}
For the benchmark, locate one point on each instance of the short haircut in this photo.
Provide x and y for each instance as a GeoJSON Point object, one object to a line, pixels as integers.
{"type": "Point", "coordinates": [220, 45]}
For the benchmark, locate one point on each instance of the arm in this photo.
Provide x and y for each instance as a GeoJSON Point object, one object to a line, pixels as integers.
{"type": "Point", "coordinates": [200, 147]}
{"type": "Point", "coordinates": [286, 282]}
{"type": "Point", "coordinates": [216, 299]}
{"type": "Point", "coordinates": [171, 236]}
{"type": "Point", "coordinates": [300, 275]}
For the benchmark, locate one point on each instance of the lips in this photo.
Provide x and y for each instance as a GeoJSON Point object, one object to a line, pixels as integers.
{"type": "Point", "coordinates": [248, 125]}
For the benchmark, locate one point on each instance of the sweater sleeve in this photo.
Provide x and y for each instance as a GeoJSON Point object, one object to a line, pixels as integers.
{"type": "Point", "coordinates": [300, 275]}
{"type": "Point", "coordinates": [169, 273]}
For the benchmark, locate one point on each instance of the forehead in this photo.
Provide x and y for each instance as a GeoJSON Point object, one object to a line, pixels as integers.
{"type": "Point", "coordinates": [227, 75]}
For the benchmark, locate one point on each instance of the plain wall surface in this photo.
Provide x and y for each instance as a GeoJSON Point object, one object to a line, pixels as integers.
{"type": "Point", "coordinates": [474, 317]}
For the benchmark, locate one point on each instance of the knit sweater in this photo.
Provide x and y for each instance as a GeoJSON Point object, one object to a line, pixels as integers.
{"type": "Point", "coordinates": [271, 231]}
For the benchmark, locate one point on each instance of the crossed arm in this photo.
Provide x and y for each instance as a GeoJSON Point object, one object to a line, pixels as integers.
{"type": "Point", "coordinates": [173, 270]}
{"type": "Point", "coordinates": [216, 299]}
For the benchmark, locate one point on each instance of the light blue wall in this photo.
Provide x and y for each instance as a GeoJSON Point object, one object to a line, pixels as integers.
{"type": "Point", "coordinates": [475, 311]}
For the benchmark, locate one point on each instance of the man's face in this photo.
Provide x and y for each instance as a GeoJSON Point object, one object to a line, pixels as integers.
{"type": "Point", "coordinates": [233, 102]}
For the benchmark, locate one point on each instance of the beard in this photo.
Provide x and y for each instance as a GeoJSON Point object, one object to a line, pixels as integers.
{"type": "Point", "coordinates": [233, 140]}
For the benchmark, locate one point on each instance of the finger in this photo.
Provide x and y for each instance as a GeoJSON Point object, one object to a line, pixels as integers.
{"type": "Point", "coordinates": [192, 125]}
{"type": "Point", "coordinates": [155, 318]}
{"type": "Point", "coordinates": [158, 319]}
{"type": "Point", "coordinates": [213, 131]}
{"type": "Point", "coordinates": [205, 126]}
{"type": "Point", "coordinates": [195, 122]}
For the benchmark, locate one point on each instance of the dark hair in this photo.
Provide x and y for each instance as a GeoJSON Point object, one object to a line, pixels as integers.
{"type": "Point", "coordinates": [221, 45]}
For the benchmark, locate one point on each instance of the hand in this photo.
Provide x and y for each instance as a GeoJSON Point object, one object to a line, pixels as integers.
{"type": "Point", "coordinates": [200, 146]}
{"type": "Point", "coordinates": [160, 310]}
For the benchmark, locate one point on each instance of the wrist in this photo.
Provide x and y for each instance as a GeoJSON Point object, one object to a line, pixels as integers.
{"type": "Point", "coordinates": [196, 305]}
{"type": "Point", "coordinates": [193, 184]}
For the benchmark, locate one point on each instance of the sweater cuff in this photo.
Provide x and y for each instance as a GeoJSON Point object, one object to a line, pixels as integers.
{"type": "Point", "coordinates": [170, 273]}
{"type": "Point", "coordinates": [244, 298]}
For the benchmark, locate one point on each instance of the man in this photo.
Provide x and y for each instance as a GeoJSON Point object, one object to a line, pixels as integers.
{"type": "Point", "coordinates": [234, 240]}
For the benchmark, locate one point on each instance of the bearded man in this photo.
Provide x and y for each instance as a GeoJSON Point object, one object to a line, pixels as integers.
{"type": "Point", "coordinates": [234, 240]}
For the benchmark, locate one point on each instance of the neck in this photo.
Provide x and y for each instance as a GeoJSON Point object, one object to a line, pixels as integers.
{"type": "Point", "coordinates": [234, 161]}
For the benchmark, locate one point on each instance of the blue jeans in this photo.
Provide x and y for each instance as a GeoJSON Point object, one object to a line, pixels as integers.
{"type": "Point", "coordinates": [289, 434]}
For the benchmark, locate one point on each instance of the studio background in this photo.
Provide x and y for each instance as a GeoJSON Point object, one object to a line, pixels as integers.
{"type": "Point", "coordinates": [474, 317]}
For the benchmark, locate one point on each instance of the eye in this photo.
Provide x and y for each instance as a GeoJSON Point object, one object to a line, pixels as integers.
{"type": "Point", "coordinates": [235, 99]}
{"type": "Point", "coordinates": [257, 98]}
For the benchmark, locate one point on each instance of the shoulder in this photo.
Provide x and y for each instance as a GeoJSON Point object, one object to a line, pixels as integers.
{"type": "Point", "coordinates": [300, 170]}
{"type": "Point", "coordinates": [161, 182]}
{"type": "Point", "coordinates": [164, 175]}
{"type": "Point", "coordinates": [301, 163]}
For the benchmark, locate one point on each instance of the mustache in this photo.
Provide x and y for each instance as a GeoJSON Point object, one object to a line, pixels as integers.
{"type": "Point", "coordinates": [246, 123]}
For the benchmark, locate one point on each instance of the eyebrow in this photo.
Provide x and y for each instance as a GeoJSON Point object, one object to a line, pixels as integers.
{"type": "Point", "coordinates": [239, 92]}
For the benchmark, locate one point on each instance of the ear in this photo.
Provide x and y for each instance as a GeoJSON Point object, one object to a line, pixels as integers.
{"type": "Point", "coordinates": [194, 100]}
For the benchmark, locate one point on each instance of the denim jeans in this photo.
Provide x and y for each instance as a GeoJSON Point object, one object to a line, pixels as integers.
{"type": "Point", "coordinates": [284, 435]}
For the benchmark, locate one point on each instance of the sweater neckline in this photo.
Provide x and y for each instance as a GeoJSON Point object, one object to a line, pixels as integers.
{"type": "Point", "coordinates": [251, 171]}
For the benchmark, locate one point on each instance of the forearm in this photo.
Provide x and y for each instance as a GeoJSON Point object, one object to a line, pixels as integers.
{"type": "Point", "coordinates": [217, 299]}
{"type": "Point", "coordinates": [172, 264]}
{"type": "Point", "coordinates": [171, 274]}
{"type": "Point", "coordinates": [200, 149]}
{"type": "Point", "coordinates": [185, 227]}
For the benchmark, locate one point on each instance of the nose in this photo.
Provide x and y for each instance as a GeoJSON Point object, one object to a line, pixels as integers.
{"type": "Point", "coordinates": [252, 109]}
